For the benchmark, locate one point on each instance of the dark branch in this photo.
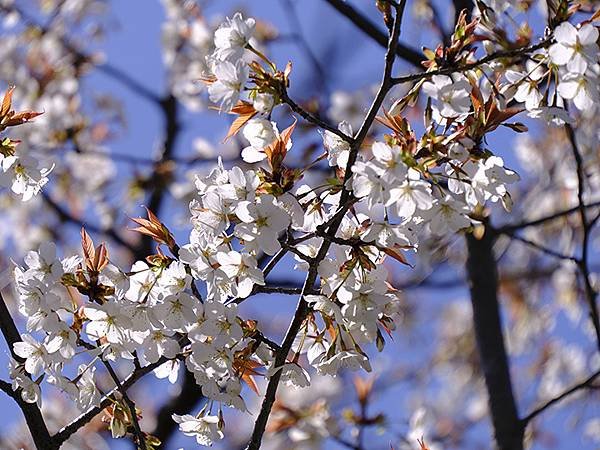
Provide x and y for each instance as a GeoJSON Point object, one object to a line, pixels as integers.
{"type": "Point", "coordinates": [542, 248]}
{"type": "Point", "coordinates": [159, 179]}
{"type": "Point", "coordinates": [483, 281]}
{"type": "Point", "coordinates": [587, 383]}
{"type": "Point", "coordinates": [65, 216]}
{"type": "Point", "coordinates": [590, 293]}
{"type": "Point", "coordinates": [465, 67]}
{"type": "Point", "coordinates": [410, 55]}
{"type": "Point", "coordinates": [70, 429]}
{"type": "Point", "coordinates": [312, 118]}
{"type": "Point", "coordinates": [137, 431]}
{"type": "Point", "coordinates": [33, 415]}
{"type": "Point", "coordinates": [506, 229]}
{"type": "Point", "coordinates": [303, 308]}
{"type": "Point", "coordinates": [114, 72]}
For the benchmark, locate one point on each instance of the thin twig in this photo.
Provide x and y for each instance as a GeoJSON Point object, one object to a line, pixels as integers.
{"type": "Point", "coordinates": [66, 216]}
{"type": "Point", "coordinates": [582, 385]}
{"type": "Point", "coordinates": [114, 72]}
{"type": "Point", "coordinates": [542, 220]}
{"type": "Point", "coordinates": [141, 441]}
{"type": "Point", "coordinates": [590, 292]}
{"type": "Point", "coordinates": [543, 249]}
{"type": "Point", "coordinates": [312, 118]}
{"type": "Point", "coordinates": [148, 161]}
{"type": "Point", "coordinates": [262, 338]}
{"type": "Point", "coordinates": [155, 202]}
{"type": "Point", "coordinates": [68, 430]}
{"type": "Point", "coordinates": [278, 290]}
{"type": "Point", "coordinates": [464, 67]}
{"type": "Point", "coordinates": [414, 57]}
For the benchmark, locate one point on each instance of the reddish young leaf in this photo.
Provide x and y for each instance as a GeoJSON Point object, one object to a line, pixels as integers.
{"type": "Point", "coordinates": [154, 228]}
{"type": "Point", "coordinates": [277, 151]}
{"type": "Point", "coordinates": [397, 256]}
{"type": "Point", "coordinates": [245, 112]}
{"type": "Point", "coordinates": [7, 102]}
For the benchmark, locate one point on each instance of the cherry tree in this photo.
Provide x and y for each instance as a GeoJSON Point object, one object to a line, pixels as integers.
{"type": "Point", "coordinates": [371, 199]}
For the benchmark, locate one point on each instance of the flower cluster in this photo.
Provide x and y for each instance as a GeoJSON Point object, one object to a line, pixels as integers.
{"type": "Point", "coordinates": [226, 62]}
{"type": "Point", "coordinates": [565, 71]}
{"type": "Point", "coordinates": [21, 172]}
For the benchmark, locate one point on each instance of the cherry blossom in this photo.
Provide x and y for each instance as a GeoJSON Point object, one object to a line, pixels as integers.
{"type": "Point", "coordinates": [243, 268]}
{"type": "Point", "coordinates": [205, 429]}
{"type": "Point", "coordinates": [230, 79]}
{"type": "Point", "coordinates": [337, 148]}
{"type": "Point", "coordinates": [260, 133]}
{"type": "Point", "coordinates": [452, 95]}
{"type": "Point", "coordinates": [232, 36]}
{"type": "Point", "coordinates": [575, 48]}
{"type": "Point", "coordinates": [262, 222]}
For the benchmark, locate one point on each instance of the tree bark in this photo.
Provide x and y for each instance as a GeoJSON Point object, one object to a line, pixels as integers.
{"type": "Point", "coordinates": [483, 283]}
{"type": "Point", "coordinates": [33, 416]}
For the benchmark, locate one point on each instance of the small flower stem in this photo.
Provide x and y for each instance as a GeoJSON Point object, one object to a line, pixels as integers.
{"type": "Point", "coordinates": [271, 65]}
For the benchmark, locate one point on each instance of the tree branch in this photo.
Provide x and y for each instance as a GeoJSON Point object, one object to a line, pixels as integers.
{"type": "Point", "coordinates": [33, 416]}
{"type": "Point", "coordinates": [483, 281]}
{"type": "Point", "coordinates": [464, 67]}
{"type": "Point", "coordinates": [303, 309]}
{"type": "Point", "coordinates": [141, 441]}
{"type": "Point", "coordinates": [582, 385]}
{"type": "Point", "coordinates": [70, 429]}
{"type": "Point", "coordinates": [542, 220]}
{"type": "Point", "coordinates": [170, 114]}
{"type": "Point", "coordinates": [410, 55]}
{"type": "Point", "coordinates": [542, 248]}
{"type": "Point", "coordinates": [65, 216]}
{"type": "Point", "coordinates": [590, 292]}
{"type": "Point", "coordinates": [312, 118]}
{"type": "Point", "coordinates": [114, 72]}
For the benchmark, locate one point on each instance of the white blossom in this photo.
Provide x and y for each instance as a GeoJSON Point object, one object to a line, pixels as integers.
{"type": "Point", "coordinates": [205, 428]}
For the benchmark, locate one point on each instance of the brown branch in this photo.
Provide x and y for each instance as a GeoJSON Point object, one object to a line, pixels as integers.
{"type": "Point", "coordinates": [414, 57]}
{"type": "Point", "coordinates": [148, 161]}
{"type": "Point", "coordinates": [542, 248]}
{"type": "Point", "coordinates": [587, 383]}
{"type": "Point", "coordinates": [33, 416]}
{"type": "Point", "coordinates": [303, 308]}
{"type": "Point", "coordinates": [66, 216]}
{"type": "Point", "coordinates": [137, 431]}
{"type": "Point", "coordinates": [114, 72]}
{"type": "Point", "coordinates": [542, 220]}
{"type": "Point", "coordinates": [590, 293]}
{"type": "Point", "coordinates": [170, 112]}
{"type": "Point", "coordinates": [287, 245]}
{"type": "Point", "coordinates": [278, 290]}
{"type": "Point", "coordinates": [125, 79]}
{"type": "Point", "coordinates": [311, 118]}
{"type": "Point", "coordinates": [483, 281]}
{"type": "Point", "coordinates": [464, 67]}
{"type": "Point", "coordinates": [70, 429]}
